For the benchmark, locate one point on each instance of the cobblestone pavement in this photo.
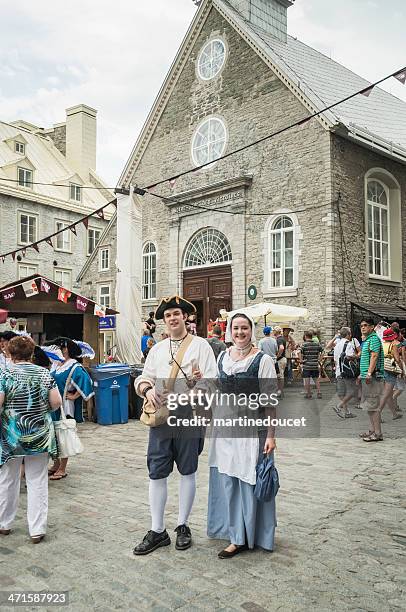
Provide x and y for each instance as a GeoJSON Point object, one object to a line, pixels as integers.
{"type": "Point", "coordinates": [340, 542]}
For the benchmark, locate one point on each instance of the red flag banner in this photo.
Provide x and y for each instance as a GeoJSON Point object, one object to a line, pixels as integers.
{"type": "Point", "coordinates": [3, 259]}
{"type": "Point", "coordinates": [35, 246]}
{"type": "Point", "coordinates": [81, 303]}
{"type": "Point", "coordinates": [13, 255]}
{"type": "Point", "coordinates": [100, 214]}
{"type": "Point", "coordinates": [85, 222]}
{"type": "Point", "coordinates": [401, 76]}
{"type": "Point", "coordinates": [46, 287]}
{"type": "Point", "coordinates": [8, 295]}
{"type": "Point", "coordinates": [30, 288]}
{"type": "Point", "coordinates": [73, 229]}
{"type": "Point", "coordinates": [63, 295]}
{"type": "Point", "coordinates": [49, 241]}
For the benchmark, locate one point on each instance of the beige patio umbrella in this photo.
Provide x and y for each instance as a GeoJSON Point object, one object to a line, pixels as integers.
{"type": "Point", "coordinates": [276, 313]}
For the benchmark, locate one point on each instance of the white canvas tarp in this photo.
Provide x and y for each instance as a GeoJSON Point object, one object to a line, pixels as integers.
{"type": "Point", "coordinates": [129, 272]}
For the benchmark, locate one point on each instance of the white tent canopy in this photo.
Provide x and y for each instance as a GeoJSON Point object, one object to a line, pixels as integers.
{"type": "Point", "coordinates": [275, 313]}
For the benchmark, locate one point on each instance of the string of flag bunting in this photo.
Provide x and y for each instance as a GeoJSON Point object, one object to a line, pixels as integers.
{"type": "Point", "coordinates": [399, 75]}
{"type": "Point", "coordinates": [39, 285]}
{"type": "Point", "coordinates": [68, 228]}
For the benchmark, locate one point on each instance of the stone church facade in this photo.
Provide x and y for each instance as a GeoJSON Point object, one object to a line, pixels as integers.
{"type": "Point", "coordinates": [311, 217]}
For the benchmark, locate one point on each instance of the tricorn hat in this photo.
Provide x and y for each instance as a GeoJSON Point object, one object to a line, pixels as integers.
{"type": "Point", "coordinates": [174, 301]}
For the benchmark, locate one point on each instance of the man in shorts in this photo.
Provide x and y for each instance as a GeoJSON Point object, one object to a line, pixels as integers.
{"type": "Point", "coordinates": [310, 355]}
{"type": "Point", "coordinates": [180, 445]}
{"type": "Point", "coordinates": [347, 388]}
{"type": "Point", "coordinates": [371, 376]}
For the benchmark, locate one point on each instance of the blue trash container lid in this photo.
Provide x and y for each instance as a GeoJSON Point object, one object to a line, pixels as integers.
{"type": "Point", "coordinates": [107, 370]}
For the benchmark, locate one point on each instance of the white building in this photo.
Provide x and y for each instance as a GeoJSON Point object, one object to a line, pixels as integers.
{"type": "Point", "coordinates": [45, 175]}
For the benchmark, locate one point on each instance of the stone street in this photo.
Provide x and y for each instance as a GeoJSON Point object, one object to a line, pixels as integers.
{"type": "Point", "coordinates": [340, 542]}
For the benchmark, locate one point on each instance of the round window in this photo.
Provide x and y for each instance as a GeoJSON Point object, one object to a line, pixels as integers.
{"type": "Point", "coordinates": [211, 59]}
{"type": "Point", "coordinates": [209, 141]}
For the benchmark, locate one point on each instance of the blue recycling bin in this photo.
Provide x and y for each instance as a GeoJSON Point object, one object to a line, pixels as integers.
{"type": "Point", "coordinates": [111, 381]}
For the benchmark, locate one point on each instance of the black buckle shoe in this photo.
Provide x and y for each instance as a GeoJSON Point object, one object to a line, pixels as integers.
{"type": "Point", "coordinates": [225, 554]}
{"type": "Point", "coordinates": [184, 537]}
{"type": "Point", "coordinates": [152, 541]}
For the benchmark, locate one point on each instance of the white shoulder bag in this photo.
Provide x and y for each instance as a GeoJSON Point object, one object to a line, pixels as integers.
{"type": "Point", "coordinates": [67, 437]}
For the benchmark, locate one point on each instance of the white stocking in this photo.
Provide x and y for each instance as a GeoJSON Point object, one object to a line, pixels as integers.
{"type": "Point", "coordinates": [158, 493]}
{"type": "Point", "coordinates": [187, 492]}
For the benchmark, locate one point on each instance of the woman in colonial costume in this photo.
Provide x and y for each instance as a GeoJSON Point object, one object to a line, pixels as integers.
{"type": "Point", "coordinates": [234, 514]}
{"type": "Point", "coordinates": [64, 353]}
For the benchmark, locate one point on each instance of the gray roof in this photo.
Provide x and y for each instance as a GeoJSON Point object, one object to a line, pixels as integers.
{"type": "Point", "coordinates": [380, 118]}
{"type": "Point", "coordinates": [377, 121]}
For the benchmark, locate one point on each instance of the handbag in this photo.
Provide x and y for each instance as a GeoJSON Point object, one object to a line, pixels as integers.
{"type": "Point", "coordinates": [267, 484]}
{"type": "Point", "coordinates": [66, 433]}
{"type": "Point", "coordinates": [152, 416]}
{"type": "Point", "coordinates": [389, 363]}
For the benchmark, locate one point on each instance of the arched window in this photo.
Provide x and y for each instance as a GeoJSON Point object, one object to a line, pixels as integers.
{"type": "Point", "coordinates": [208, 247]}
{"type": "Point", "coordinates": [378, 229]}
{"type": "Point", "coordinates": [383, 226]}
{"type": "Point", "coordinates": [281, 255]}
{"type": "Point", "coordinates": [209, 141]}
{"type": "Point", "coordinates": [211, 59]}
{"type": "Point", "coordinates": [149, 271]}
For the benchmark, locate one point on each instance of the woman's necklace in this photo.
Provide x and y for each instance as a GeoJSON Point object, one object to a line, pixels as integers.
{"type": "Point", "coordinates": [174, 346]}
{"type": "Point", "coordinates": [243, 351]}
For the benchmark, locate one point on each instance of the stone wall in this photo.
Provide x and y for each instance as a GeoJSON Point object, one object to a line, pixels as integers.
{"type": "Point", "coordinates": [58, 136]}
{"type": "Point", "coordinates": [93, 277]}
{"type": "Point", "coordinates": [350, 164]}
{"type": "Point", "coordinates": [47, 215]}
{"type": "Point", "coordinates": [290, 173]}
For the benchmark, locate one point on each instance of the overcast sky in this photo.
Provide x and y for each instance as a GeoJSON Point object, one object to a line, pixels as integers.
{"type": "Point", "coordinates": [114, 56]}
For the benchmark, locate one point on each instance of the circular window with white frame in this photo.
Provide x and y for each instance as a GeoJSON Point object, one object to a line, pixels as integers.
{"type": "Point", "coordinates": [209, 141]}
{"type": "Point", "coordinates": [211, 59]}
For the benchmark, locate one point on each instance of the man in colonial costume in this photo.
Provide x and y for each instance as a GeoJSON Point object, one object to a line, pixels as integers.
{"type": "Point", "coordinates": [167, 444]}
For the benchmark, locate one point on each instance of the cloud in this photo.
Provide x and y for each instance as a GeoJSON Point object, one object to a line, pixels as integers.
{"type": "Point", "coordinates": [114, 56]}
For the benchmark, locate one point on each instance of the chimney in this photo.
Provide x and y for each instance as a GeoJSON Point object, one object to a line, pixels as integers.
{"type": "Point", "coordinates": [81, 139]}
{"type": "Point", "coordinates": [270, 15]}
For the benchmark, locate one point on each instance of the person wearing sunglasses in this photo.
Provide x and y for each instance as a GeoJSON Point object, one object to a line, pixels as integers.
{"type": "Point", "coordinates": [371, 375]}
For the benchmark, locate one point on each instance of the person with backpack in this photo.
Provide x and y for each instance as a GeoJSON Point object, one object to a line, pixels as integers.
{"type": "Point", "coordinates": [393, 370]}
{"type": "Point", "coordinates": [346, 358]}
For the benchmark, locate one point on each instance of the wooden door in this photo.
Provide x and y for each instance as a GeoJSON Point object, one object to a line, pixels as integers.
{"type": "Point", "coordinates": [210, 289]}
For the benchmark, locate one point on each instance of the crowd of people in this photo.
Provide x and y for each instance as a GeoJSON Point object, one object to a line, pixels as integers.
{"type": "Point", "coordinates": [36, 382]}
{"type": "Point", "coordinates": [370, 372]}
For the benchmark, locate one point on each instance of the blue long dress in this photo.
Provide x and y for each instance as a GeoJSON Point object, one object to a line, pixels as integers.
{"type": "Point", "coordinates": [80, 381]}
{"type": "Point", "coordinates": [234, 513]}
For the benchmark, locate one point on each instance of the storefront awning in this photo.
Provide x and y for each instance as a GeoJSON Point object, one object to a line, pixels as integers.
{"type": "Point", "coordinates": [47, 297]}
{"type": "Point", "coordinates": [386, 312]}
